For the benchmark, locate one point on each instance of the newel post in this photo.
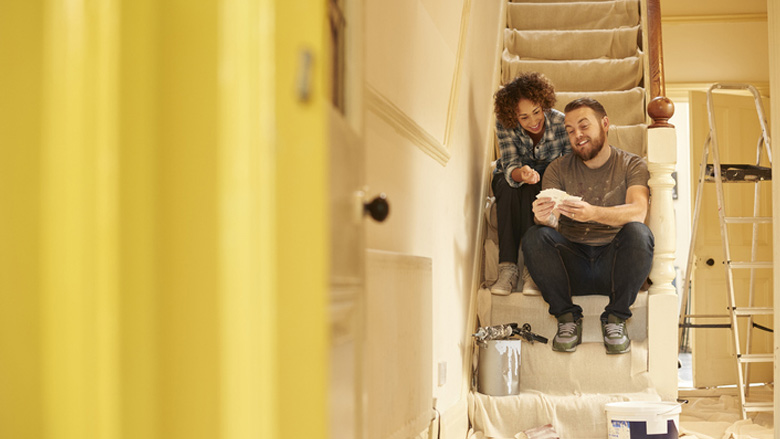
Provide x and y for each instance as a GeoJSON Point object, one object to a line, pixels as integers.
{"type": "Point", "coordinates": [662, 300]}
{"type": "Point", "coordinates": [661, 161]}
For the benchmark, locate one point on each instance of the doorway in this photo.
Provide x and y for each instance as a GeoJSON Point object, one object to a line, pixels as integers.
{"type": "Point", "coordinates": [690, 119]}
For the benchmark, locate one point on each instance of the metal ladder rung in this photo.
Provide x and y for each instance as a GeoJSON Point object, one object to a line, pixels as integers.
{"type": "Point", "coordinates": [754, 311]}
{"type": "Point", "coordinates": [756, 358]}
{"type": "Point", "coordinates": [748, 264]}
{"type": "Point", "coordinates": [707, 316]}
{"type": "Point", "coordinates": [759, 406]}
{"type": "Point", "coordinates": [748, 219]}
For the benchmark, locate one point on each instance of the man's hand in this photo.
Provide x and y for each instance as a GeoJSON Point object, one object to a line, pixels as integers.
{"type": "Point", "coordinates": [635, 209]}
{"type": "Point", "coordinates": [543, 211]}
{"type": "Point", "coordinates": [577, 210]}
{"type": "Point", "coordinates": [525, 175]}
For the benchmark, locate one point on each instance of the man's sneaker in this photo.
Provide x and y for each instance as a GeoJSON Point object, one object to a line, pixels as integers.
{"type": "Point", "coordinates": [615, 336]}
{"type": "Point", "coordinates": [569, 333]}
{"type": "Point", "coordinates": [529, 286]}
{"type": "Point", "coordinates": [508, 274]}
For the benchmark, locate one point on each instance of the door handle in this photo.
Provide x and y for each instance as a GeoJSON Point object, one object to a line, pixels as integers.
{"type": "Point", "coordinates": [378, 208]}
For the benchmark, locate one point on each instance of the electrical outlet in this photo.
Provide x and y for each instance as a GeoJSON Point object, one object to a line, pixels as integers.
{"type": "Point", "coordinates": [442, 373]}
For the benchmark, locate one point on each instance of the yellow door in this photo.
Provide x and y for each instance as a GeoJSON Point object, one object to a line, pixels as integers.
{"type": "Point", "coordinates": [738, 131]}
{"type": "Point", "coordinates": [347, 280]}
{"type": "Point", "coordinates": [347, 215]}
{"type": "Point", "coordinates": [294, 146]}
{"type": "Point", "coordinates": [165, 241]}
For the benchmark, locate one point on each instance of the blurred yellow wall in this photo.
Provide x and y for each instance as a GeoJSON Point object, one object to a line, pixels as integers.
{"type": "Point", "coordinates": [163, 220]}
{"type": "Point", "coordinates": [21, 38]}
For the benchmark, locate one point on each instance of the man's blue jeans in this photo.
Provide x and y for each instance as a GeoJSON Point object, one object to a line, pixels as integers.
{"type": "Point", "coordinates": [563, 269]}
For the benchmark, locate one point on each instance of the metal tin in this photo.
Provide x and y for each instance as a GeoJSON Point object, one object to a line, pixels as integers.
{"type": "Point", "coordinates": [498, 372]}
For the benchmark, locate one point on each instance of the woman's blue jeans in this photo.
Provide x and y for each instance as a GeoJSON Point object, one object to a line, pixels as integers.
{"type": "Point", "coordinates": [563, 269]}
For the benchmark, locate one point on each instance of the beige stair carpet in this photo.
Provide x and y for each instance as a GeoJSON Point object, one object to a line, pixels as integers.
{"type": "Point", "coordinates": [601, 74]}
{"type": "Point", "coordinates": [579, 15]}
{"type": "Point", "coordinates": [556, 1]}
{"type": "Point", "coordinates": [623, 107]}
{"type": "Point", "coordinates": [572, 44]}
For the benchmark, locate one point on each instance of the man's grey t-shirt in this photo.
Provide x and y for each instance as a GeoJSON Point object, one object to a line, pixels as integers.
{"type": "Point", "coordinates": [605, 186]}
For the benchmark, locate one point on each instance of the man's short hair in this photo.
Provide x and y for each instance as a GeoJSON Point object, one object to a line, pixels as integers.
{"type": "Point", "coordinates": [586, 102]}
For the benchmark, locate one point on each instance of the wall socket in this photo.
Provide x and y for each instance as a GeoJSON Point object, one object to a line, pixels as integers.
{"type": "Point", "coordinates": [442, 373]}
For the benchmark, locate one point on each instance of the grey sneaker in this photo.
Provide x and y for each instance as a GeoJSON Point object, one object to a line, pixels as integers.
{"type": "Point", "coordinates": [569, 333]}
{"type": "Point", "coordinates": [615, 336]}
{"type": "Point", "coordinates": [529, 286]}
{"type": "Point", "coordinates": [508, 274]}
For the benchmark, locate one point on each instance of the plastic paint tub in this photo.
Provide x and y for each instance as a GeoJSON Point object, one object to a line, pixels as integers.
{"type": "Point", "coordinates": [498, 372]}
{"type": "Point", "coordinates": [643, 420]}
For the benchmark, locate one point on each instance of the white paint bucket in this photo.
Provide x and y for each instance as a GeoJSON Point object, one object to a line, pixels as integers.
{"type": "Point", "coordinates": [643, 420]}
{"type": "Point", "coordinates": [498, 372]}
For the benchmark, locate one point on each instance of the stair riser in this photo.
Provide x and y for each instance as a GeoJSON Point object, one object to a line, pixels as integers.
{"type": "Point", "coordinates": [517, 308]}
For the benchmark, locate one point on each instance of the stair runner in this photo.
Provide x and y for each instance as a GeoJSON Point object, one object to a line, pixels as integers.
{"type": "Point", "coordinates": [586, 48]}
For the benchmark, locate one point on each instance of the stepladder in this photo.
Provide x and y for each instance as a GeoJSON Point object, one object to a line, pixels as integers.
{"type": "Point", "coordinates": [741, 230]}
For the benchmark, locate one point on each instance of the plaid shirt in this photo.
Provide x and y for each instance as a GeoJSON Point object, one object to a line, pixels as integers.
{"type": "Point", "coordinates": [517, 147]}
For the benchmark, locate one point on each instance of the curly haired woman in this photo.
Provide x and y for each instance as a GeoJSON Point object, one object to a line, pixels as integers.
{"type": "Point", "coordinates": [530, 135]}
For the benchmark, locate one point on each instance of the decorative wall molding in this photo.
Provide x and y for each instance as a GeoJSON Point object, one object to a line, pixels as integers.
{"type": "Point", "coordinates": [452, 107]}
{"type": "Point", "coordinates": [720, 18]}
{"type": "Point", "coordinates": [405, 125]}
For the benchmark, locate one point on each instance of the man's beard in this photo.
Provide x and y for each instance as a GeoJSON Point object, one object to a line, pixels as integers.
{"type": "Point", "coordinates": [596, 145]}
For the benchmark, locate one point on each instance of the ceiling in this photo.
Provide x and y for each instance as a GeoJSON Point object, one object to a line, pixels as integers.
{"type": "Point", "coordinates": [729, 45]}
{"type": "Point", "coordinates": [673, 8]}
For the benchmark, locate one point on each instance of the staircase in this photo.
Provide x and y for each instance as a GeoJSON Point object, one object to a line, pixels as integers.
{"type": "Point", "coordinates": [586, 48]}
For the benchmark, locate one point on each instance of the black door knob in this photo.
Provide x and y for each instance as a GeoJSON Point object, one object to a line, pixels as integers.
{"type": "Point", "coordinates": [378, 208]}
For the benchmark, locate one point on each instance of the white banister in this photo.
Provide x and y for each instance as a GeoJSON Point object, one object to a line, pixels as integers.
{"type": "Point", "coordinates": [662, 300]}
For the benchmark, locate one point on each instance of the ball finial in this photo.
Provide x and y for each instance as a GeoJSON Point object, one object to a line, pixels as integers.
{"type": "Point", "coordinates": [661, 109]}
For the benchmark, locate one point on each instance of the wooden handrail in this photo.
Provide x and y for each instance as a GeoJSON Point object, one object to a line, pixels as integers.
{"type": "Point", "coordinates": [660, 107]}
{"type": "Point", "coordinates": [655, 51]}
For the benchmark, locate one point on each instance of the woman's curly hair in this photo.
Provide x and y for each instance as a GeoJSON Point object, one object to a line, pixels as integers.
{"type": "Point", "coordinates": [532, 86]}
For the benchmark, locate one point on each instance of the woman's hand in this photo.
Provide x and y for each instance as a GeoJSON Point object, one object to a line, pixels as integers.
{"type": "Point", "coordinates": [526, 174]}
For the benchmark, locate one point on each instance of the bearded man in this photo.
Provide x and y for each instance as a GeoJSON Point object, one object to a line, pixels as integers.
{"type": "Point", "coordinates": [598, 244]}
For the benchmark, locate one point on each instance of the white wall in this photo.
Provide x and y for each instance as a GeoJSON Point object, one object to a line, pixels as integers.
{"type": "Point", "coordinates": [720, 50]}
{"type": "Point", "coordinates": [413, 53]}
{"type": "Point", "coordinates": [715, 40]}
{"type": "Point", "coordinates": [774, 58]}
{"type": "Point", "coordinates": [707, 41]}
{"type": "Point", "coordinates": [684, 202]}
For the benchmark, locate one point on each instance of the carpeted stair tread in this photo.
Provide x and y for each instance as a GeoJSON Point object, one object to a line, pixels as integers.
{"type": "Point", "coordinates": [623, 107]}
{"type": "Point", "coordinates": [570, 44]}
{"type": "Point", "coordinates": [573, 15]}
{"type": "Point", "coordinates": [631, 138]}
{"type": "Point", "coordinates": [506, 416]}
{"type": "Point", "coordinates": [578, 75]}
{"type": "Point", "coordinates": [556, 1]}
{"type": "Point", "coordinates": [519, 308]}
